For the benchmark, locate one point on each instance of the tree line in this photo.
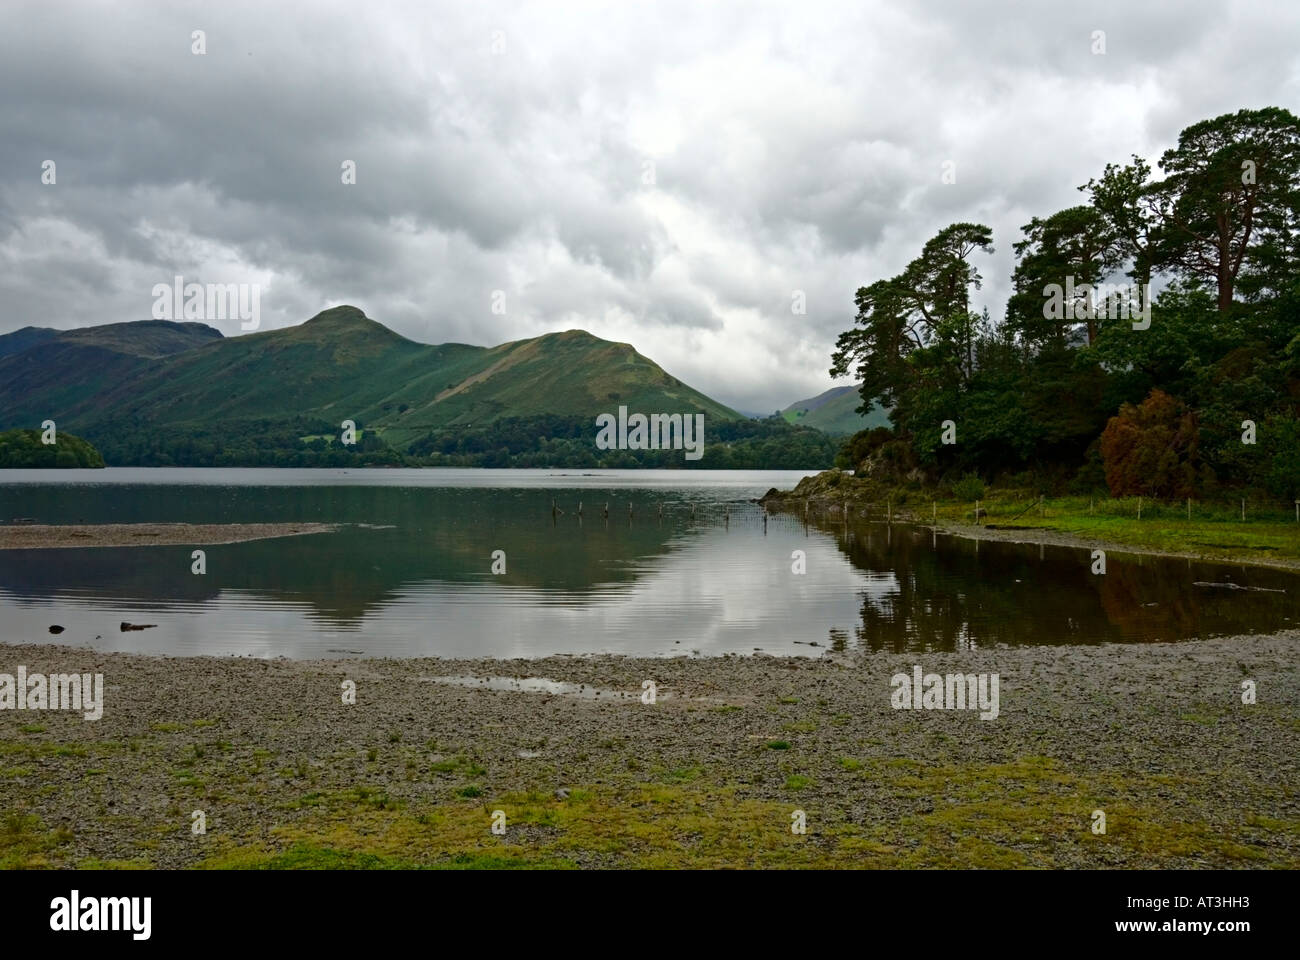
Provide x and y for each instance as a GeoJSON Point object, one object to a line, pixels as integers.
{"type": "Point", "coordinates": [1071, 390]}
{"type": "Point", "coordinates": [548, 440]}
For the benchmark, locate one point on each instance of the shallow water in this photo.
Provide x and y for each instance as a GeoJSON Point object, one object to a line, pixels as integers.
{"type": "Point", "coordinates": [410, 573]}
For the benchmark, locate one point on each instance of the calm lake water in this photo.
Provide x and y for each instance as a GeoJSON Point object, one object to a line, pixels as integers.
{"type": "Point", "coordinates": [410, 572]}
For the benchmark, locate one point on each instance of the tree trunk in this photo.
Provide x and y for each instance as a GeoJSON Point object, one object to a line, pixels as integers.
{"type": "Point", "coordinates": [1225, 265]}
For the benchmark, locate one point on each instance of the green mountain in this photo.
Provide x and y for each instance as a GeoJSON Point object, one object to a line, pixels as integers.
{"type": "Point", "coordinates": [169, 380]}
{"type": "Point", "coordinates": [24, 339]}
{"type": "Point", "coordinates": [835, 412]}
{"type": "Point", "coordinates": [59, 374]}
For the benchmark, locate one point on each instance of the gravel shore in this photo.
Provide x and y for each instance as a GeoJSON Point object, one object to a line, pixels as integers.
{"type": "Point", "coordinates": [285, 773]}
{"type": "Point", "coordinates": [38, 536]}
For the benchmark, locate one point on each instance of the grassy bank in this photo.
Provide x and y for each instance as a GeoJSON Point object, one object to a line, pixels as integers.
{"type": "Point", "coordinates": [1269, 534]}
{"type": "Point", "coordinates": [1214, 531]}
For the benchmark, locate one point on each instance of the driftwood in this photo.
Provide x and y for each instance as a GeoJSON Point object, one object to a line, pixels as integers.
{"type": "Point", "coordinates": [1235, 586]}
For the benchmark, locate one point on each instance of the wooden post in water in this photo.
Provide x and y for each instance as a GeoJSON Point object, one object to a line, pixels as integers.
{"type": "Point", "coordinates": [579, 508]}
{"type": "Point", "coordinates": [606, 509]}
{"type": "Point", "coordinates": [936, 513]}
{"type": "Point", "coordinates": [889, 511]}
{"type": "Point", "coordinates": [1243, 508]}
{"type": "Point", "coordinates": [1139, 508]}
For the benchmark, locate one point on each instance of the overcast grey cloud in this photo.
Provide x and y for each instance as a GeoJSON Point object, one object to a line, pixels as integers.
{"type": "Point", "coordinates": [507, 147]}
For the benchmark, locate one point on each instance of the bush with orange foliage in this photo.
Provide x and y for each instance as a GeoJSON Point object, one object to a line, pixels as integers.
{"type": "Point", "coordinates": [1150, 449]}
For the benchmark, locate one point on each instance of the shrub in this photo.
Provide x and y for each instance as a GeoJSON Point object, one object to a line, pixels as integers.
{"type": "Point", "coordinates": [1151, 449]}
{"type": "Point", "coordinates": [969, 487]}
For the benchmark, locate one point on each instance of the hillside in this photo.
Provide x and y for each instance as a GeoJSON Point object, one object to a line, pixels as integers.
{"type": "Point", "coordinates": [834, 412]}
{"type": "Point", "coordinates": [167, 381]}
{"type": "Point", "coordinates": [27, 337]}
{"type": "Point", "coordinates": [67, 374]}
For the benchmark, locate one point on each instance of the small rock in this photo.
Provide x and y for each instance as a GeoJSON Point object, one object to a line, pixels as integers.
{"type": "Point", "coordinates": [562, 794]}
{"type": "Point", "coordinates": [56, 629]}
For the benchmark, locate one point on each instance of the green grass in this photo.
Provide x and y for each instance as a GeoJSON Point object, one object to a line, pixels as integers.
{"type": "Point", "coordinates": [1025, 813]}
{"type": "Point", "coordinates": [1032, 811]}
{"type": "Point", "coordinates": [1214, 531]}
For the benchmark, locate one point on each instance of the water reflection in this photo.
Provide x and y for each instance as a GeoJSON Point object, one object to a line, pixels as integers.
{"type": "Point", "coordinates": [695, 569]}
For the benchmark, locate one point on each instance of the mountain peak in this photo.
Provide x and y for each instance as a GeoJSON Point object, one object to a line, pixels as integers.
{"type": "Point", "coordinates": [344, 324]}
{"type": "Point", "coordinates": [342, 314]}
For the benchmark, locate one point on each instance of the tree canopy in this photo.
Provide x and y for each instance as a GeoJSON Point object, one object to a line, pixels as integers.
{"type": "Point", "coordinates": [1073, 385]}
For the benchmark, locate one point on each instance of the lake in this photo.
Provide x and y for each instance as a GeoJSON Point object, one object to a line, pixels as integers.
{"type": "Point", "coordinates": [695, 570]}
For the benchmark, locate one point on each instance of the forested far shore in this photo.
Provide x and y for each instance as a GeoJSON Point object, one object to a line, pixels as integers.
{"type": "Point", "coordinates": [541, 441]}
{"type": "Point", "coordinates": [25, 448]}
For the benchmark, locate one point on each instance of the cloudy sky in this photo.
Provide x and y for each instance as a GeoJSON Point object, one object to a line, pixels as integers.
{"type": "Point", "coordinates": [666, 174]}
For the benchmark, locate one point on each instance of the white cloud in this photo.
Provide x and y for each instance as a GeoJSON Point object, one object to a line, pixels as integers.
{"type": "Point", "coordinates": [794, 147]}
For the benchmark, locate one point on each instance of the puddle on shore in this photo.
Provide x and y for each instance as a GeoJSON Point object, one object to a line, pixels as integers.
{"type": "Point", "coordinates": [541, 685]}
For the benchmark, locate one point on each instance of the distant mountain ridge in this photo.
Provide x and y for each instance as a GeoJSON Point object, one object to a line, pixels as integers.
{"type": "Point", "coordinates": [835, 412]}
{"type": "Point", "coordinates": [339, 365]}
{"type": "Point", "coordinates": [143, 338]}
